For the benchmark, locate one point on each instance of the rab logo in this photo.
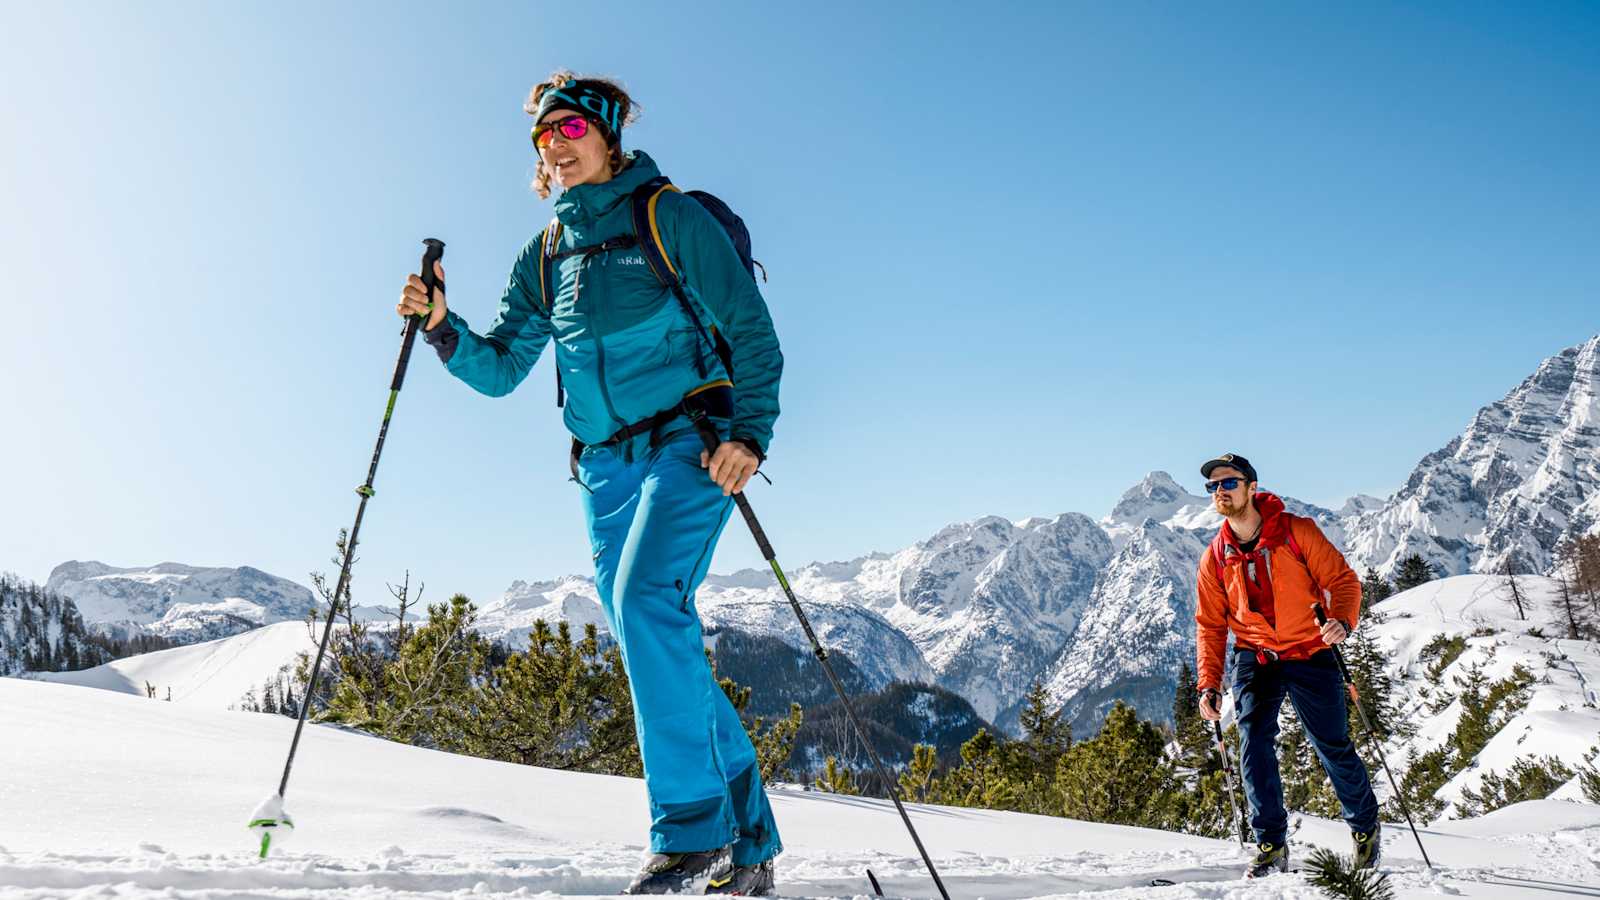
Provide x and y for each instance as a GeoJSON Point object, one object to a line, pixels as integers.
{"type": "Point", "coordinates": [630, 260]}
{"type": "Point", "coordinates": [597, 103]}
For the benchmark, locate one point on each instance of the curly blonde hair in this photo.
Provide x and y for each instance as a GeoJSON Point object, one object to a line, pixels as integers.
{"type": "Point", "coordinates": [559, 79]}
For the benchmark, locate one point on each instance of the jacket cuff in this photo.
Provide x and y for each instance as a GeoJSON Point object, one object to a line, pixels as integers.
{"type": "Point", "coordinates": [443, 338]}
{"type": "Point", "coordinates": [754, 445]}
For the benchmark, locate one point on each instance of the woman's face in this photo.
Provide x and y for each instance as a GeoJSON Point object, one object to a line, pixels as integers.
{"type": "Point", "coordinates": [575, 161]}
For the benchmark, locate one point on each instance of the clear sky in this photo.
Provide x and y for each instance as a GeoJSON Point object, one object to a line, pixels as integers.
{"type": "Point", "coordinates": [1020, 256]}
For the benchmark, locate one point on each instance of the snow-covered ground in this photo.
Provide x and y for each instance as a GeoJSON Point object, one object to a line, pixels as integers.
{"type": "Point", "coordinates": [1562, 718]}
{"type": "Point", "coordinates": [106, 794]}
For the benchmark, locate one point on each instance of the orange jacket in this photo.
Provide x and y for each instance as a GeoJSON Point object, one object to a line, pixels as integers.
{"type": "Point", "coordinates": [1221, 607]}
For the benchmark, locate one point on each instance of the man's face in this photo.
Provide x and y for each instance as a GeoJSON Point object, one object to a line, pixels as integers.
{"type": "Point", "coordinates": [1230, 502]}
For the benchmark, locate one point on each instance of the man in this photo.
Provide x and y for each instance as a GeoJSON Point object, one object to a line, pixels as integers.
{"type": "Point", "coordinates": [1260, 579]}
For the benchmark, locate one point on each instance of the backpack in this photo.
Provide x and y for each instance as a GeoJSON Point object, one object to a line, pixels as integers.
{"type": "Point", "coordinates": [647, 237]}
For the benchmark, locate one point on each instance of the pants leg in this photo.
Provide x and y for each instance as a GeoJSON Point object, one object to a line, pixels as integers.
{"type": "Point", "coordinates": [1258, 696]}
{"type": "Point", "coordinates": [654, 523]}
{"type": "Point", "coordinates": [1316, 688]}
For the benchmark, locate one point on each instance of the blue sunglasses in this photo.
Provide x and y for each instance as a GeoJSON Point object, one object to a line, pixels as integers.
{"type": "Point", "coordinates": [1226, 484]}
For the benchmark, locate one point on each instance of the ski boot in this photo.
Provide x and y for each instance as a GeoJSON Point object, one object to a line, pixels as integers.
{"type": "Point", "coordinates": [1368, 846]}
{"type": "Point", "coordinates": [675, 873]}
{"type": "Point", "coordinates": [742, 881]}
{"type": "Point", "coordinates": [1270, 858]}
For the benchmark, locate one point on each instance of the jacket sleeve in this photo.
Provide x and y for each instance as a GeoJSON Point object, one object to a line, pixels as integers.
{"type": "Point", "coordinates": [1211, 624]}
{"type": "Point", "coordinates": [495, 362]}
{"type": "Point", "coordinates": [708, 263]}
{"type": "Point", "coordinates": [1333, 574]}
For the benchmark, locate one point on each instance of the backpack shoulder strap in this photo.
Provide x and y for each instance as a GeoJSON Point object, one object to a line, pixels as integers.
{"type": "Point", "coordinates": [1294, 547]}
{"type": "Point", "coordinates": [648, 230]}
{"type": "Point", "coordinates": [549, 239]}
{"type": "Point", "coordinates": [1216, 559]}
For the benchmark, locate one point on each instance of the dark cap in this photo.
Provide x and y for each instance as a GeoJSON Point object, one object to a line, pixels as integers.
{"type": "Point", "coordinates": [1233, 460]}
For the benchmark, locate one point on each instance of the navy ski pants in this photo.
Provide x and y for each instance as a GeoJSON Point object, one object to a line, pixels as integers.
{"type": "Point", "coordinates": [1317, 690]}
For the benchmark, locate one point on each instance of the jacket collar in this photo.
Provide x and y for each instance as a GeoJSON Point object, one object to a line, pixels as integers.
{"type": "Point", "coordinates": [1274, 524]}
{"type": "Point", "coordinates": [586, 204]}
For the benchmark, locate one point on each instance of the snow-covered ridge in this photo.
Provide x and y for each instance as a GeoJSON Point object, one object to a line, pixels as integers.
{"type": "Point", "coordinates": [1562, 718]}
{"type": "Point", "coordinates": [215, 674]}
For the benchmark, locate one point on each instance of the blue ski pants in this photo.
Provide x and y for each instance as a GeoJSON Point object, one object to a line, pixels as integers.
{"type": "Point", "coordinates": [654, 517]}
{"type": "Point", "coordinates": [1316, 688]}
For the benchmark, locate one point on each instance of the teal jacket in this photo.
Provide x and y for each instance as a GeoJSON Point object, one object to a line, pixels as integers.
{"type": "Point", "coordinates": [624, 344]}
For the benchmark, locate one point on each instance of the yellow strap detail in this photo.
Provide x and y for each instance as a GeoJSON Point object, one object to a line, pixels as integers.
{"type": "Point", "coordinates": [546, 248]}
{"type": "Point", "coordinates": [655, 230]}
{"type": "Point", "coordinates": [722, 382]}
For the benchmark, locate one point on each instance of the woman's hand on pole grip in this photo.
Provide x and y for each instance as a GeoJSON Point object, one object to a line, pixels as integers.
{"type": "Point", "coordinates": [414, 299]}
{"type": "Point", "coordinates": [731, 466]}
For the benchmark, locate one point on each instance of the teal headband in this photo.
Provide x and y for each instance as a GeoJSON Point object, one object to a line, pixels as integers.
{"type": "Point", "coordinates": [597, 101]}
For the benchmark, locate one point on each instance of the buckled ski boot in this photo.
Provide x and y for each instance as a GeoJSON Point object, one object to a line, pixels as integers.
{"type": "Point", "coordinates": [742, 881]}
{"type": "Point", "coordinates": [1368, 846]}
{"type": "Point", "coordinates": [675, 873]}
{"type": "Point", "coordinates": [1270, 859]}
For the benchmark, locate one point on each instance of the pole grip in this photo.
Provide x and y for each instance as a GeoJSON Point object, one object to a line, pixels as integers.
{"type": "Point", "coordinates": [433, 251]}
{"type": "Point", "coordinates": [1338, 655]}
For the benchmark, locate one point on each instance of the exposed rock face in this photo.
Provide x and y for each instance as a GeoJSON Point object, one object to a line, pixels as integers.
{"type": "Point", "coordinates": [1524, 474]}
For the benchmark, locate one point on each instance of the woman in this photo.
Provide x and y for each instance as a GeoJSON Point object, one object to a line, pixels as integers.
{"type": "Point", "coordinates": [628, 351]}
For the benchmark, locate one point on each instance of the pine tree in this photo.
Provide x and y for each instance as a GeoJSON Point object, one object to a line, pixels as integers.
{"type": "Point", "coordinates": [917, 781]}
{"type": "Point", "coordinates": [1122, 775]}
{"type": "Point", "coordinates": [560, 704]}
{"type": "Point", "coordinates": [1589, 775]}
{"type": "Point", "coordinates": [1374, 589]}
{"type": "Point", "coordinates": [836, 779]}
{"type": "Point", "coordinates": [1192, 733]}
{"type": "Point", "coordinates": [980, 780]}
{"type": "Point", "coordinates": [1425, 774]}
{"type": "Point", "coordinates": [775, 742]}
{"type": "Point", "coordinates": [418, 695]}
{"type": "Point", "coordinates": [1028, 766]}
{"type": "Point", "coordinates": [1338, 877]}
{"type": "Point", "coordinates": [1413, 571]}
{"type": "Point", "coordinates": [1529, 778]}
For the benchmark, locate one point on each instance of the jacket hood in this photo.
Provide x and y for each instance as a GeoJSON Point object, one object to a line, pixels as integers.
{"type": "Point", "coordinates": [585, 204]}
{"type": "Point", "coordinates": [1274, 523]}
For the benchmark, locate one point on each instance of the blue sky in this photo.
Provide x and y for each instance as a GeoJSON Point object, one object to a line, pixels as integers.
{"type": "Point", "coordinates": [1020, 255]}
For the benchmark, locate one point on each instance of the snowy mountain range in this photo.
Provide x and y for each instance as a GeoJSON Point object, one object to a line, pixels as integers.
{"type": "Point", "coordinates": [185, 603]}
{"type": "Point", "coordinates": [1524, 474]}
{"type": "Point", "coordinates": [1098, 610]}
{"type": "Point", "coordinates": [1105, 610]}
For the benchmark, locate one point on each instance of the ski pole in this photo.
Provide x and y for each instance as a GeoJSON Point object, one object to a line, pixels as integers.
{"type": "Point", "coordinates": [270, 818]}
{"type": "Point", "coordinates": [1231, 781]}
{"type": "Point", "coordinates": [1372, 734]}
{"type": "Point", "coordinates": [709, 436]}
